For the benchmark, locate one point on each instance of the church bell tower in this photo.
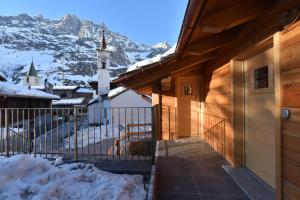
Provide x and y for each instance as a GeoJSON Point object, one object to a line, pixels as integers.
{"type": "Point", "coordinates": [103, 63]}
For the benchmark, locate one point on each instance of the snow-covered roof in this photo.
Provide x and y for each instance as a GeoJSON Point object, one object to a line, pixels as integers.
{"type": "Point", "coordinates": [155, 59]}
{"type": "Point", "coordinates": [113, 93]}
{"type": "Point", "coordinates": [84, 90]}
{"type": "Point", "coordinates": [75, 101]}
{"type": "Point", "coordinates": [93, 100]}
{"type": "Point", "coordinates": [38, 87]}
{"type": "Point", "coordinates": [65, 87]}
{"type": "Point", "coordinates": [56, 87]}
{"type": "Point", "coordinates": [19, 91]}
{"type": "Point", "coordinates": [116, 92]}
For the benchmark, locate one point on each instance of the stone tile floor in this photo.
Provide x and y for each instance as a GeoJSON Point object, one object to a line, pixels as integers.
{"type": "Point", "coordinates": [190, 169]}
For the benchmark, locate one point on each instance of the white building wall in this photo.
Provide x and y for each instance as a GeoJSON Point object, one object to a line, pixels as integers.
{"type": "Point", "coordinates": [126, 108]}
{"type": "Point", "coordinates": [31, 81]}
{"type": "Point", "coordinates": [99, 113]}
{"type": "Point", "coordinates": [131, 108]}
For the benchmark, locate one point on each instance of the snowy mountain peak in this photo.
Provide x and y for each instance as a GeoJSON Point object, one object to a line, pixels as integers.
{"type": "Point", "coordinates": [70, 24]}
{"type": "Point", "coordinates": [67, 44]}
{"type": "Point", "coordinates": [162, 45]}
{"type": "Point", "coordinates": [24, 16]}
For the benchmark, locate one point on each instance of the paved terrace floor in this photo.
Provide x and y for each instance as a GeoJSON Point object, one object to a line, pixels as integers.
{"type": "Point", "coordinates": [190, 169]}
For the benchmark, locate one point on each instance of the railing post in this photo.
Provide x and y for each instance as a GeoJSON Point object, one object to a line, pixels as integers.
{"type": "Point", "coordinates": [6, 133]}
{"type": "Point", "coordinates": [75, 132]}
{"type": "Point", "coordinates": [154, 120]}
{"type": "Point", "coordinates": [169, 123]}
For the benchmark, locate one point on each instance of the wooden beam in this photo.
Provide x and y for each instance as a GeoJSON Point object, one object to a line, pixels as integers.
{"type": "Point", "coordinates": [212, 43]}
{"type": "Point", "coordinates": [237, 14]}
{"type": "Point", "coordinates": [200, 67]}
{"type": "Point", "coordinates": [254, 32]}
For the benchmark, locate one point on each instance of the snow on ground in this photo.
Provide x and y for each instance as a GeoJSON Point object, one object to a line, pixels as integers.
{"type": "Point", "coordinates": [10, 89]}
{"type": "Point", "coordinates": [149, 61]}
{"type": "Point", "coordinates": [91, 135]}
{"type": "Point", "coordinates": [26, 177]}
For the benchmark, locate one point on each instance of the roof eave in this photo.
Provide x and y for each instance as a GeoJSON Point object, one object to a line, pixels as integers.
{"type": "Point", "coordinates": [28, 97]}
{"type": "Point", "coordinates": [142, 70]}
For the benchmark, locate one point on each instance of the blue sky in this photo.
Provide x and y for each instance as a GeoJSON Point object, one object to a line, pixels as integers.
{"type": "Point", "coordinates": [146, 21]}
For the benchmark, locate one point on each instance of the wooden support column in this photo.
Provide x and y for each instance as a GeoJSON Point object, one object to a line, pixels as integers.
{"type": "Point", "coordinates": [238, 112]}
{"type": "Point", "coordinates": [278, 141]}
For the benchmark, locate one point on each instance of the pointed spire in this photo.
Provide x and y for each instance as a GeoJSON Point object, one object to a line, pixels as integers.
{"type": "Point", "coordinates": [32, 71]}
{"type": "Point", "coordinates": [103, 42]}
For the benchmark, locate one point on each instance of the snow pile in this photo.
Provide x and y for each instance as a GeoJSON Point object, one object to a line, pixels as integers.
{"type": "Point", "coordinates": [116, 91]}
{"type": "Point", "coordinates": [58, 161]}
{"type": "Point", "coordinates": [11, 132]}
{"type": "Point", "coordinates": [155, 59]}
{"type": "Point", "coordinates": [75, 101]}
{"type": "Point", "coordinates": [9, 89]}
{"type": "Point", "coordinates": [93, 135]}
{"type": "Point", "coordinates": [25, 177]}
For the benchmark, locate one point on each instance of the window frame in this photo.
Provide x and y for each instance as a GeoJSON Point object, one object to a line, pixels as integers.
{"type": "Point", "coordinates": [251, 77]}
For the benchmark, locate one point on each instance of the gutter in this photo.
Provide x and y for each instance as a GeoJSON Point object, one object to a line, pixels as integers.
{"type": "Point", "coordinates": [189, 24]}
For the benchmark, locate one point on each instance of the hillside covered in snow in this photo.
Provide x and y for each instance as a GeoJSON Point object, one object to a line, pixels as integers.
{"type": "Point", "coordinates": [64, 47]}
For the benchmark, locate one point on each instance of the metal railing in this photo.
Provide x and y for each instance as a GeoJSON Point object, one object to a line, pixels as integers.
{"type": "Point", "coordinates": [210, 128]}
{"type": "Point", "coordinates": [213, 131]}
{"type": "Point", "coordinates": [114, 133]}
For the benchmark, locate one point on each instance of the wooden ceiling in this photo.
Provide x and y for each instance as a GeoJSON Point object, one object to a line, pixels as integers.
{"type": "Point", "coordinates": [214, 32]}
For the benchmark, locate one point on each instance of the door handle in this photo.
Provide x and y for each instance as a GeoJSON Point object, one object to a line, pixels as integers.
{"type": "Point", "coordinates": [285, 113]}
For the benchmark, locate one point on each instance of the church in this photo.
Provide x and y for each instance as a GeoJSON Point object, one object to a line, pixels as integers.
{"type": "Point", "coordinates": [31, 78]}
{"type": "Point", "coordinates": [101, 107]}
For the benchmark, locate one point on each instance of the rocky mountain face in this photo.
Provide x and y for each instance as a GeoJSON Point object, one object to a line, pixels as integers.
{"type": "Point", "coordinates": [64, 50]}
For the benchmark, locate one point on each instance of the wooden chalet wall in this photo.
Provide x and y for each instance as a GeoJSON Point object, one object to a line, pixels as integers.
{"type": "Point", "coordinates": [290, 80]}
{"type": "Point", "coordinates": [169, 108]}
{"type": "Point", "coordinates": [217, 101]}
{"type": "Point", "coordinates": [168, 115]}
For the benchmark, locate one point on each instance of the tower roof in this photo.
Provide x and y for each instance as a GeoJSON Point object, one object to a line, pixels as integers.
{"type": "Point", "coordinates": [103, 42]}
{"type": "Point", "coordinates": [32, 71]}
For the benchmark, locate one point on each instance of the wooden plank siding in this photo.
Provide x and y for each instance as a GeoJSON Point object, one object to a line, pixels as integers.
{"type": "Point", "coordinates": [217, 100]}
{"type": "Point", "coordinates": [169, 118]}
{"type": "Point", "coordinates": [290, 77]}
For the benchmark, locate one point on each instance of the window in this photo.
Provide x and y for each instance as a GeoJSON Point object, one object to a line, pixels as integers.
{"type": "Point", "coordinates": [188, 90]}
{"type": "Point", "coordinates": [261, 78]}
{"type": "Point", "coordinates": [103, 65]}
